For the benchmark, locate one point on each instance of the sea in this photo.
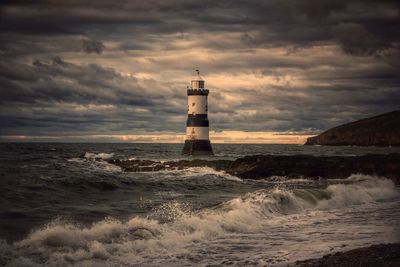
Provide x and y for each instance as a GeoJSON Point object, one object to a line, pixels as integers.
{"type": "Point", "coordinates": [63, 204]}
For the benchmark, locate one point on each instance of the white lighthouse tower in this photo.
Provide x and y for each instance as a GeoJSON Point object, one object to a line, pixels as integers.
{"type": "Point", "coordinates": [197, 126]}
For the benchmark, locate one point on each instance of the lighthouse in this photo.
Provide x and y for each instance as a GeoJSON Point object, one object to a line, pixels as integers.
{"type": "Point", "coordinates": [197, 126]}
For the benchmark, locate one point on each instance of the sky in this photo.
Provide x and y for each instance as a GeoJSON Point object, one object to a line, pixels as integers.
{"type": "Point", "coordinates": [117, 71]}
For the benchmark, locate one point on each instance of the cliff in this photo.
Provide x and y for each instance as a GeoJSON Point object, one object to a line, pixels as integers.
{"type": "Point", "coordinates": [382, 130]}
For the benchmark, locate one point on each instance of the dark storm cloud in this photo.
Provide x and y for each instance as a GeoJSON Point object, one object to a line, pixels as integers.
{"type": "Point", "coordinates": [356, 40]}
{"type": "Point", "coordinates": [58, 94]}
{"type": "Point", "coordinates": [360, 27]}
{"type": "Point", "coordinates": [321, 63]}
{"type": "Point", "coordinates": [57, 80]}
{"type": "Point", "coordinates": [67, 17]}
{"type": "Point", "coordinates": [93, 46]}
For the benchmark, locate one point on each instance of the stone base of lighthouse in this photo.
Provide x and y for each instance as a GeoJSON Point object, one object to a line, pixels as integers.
{"type": "Point", "coordinates": [197, 148]}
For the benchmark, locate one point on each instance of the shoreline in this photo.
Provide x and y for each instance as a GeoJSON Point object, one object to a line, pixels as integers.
{"type": "Point", "coordinates": [383, 255]}
{"type": "Point", "coordinates": [293, 167]}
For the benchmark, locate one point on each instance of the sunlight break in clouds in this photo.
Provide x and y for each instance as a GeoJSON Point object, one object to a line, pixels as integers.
{"type": "Point", "coordinates": [216, 137]}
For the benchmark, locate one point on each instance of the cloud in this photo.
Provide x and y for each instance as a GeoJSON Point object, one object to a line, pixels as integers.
{"type": "Point", "coordinates": [356, 40]}
{"type": "Point", "coordinates": [48, 95]}
{"type": "Point", "coordinates": [93, 46]}
{"type": "Point", "coordinates": [272, 66]}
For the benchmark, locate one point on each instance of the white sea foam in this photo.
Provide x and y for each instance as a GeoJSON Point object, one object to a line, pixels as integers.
{"type": "Point", "coordinates": [98, 165]}
{"type": "Point", "coordinates": [190, 173]}
{"type": "Point", "coordinates": [283, 180]}
{"type": "Point", "coordinates": [96, 161]}
{"type": "Point", "coordinates": [108, 166]}
{"type": "Point", "coordinates": [275, 220]}
{"type": "Point", "coordinates": [103, 156]}
{"type": "Point", "coordinates": [361, 189]}
{"type": "Point", "coordinates": [200, 171]}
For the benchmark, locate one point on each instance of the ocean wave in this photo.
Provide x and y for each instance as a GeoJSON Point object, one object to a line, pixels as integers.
{"type": "Point", "coordinates": [283, 180]}
{"type": "Point", "coordinates": [103, 156]}
{"type": "Point", "coordinates": [193, 172]}
{"type": "Point", "coordinates": [356, 189]}
{"type": "Point", "coordinates": [95, 161]}
{"type": "Point", "coordinates": [101, 175]}
{"type": "Point", "coordinates": [172, 228]}
{"type": "Point", "coordinates": [99, 183]}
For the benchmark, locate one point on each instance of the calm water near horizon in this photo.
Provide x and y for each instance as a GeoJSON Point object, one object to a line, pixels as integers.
{"type": "Point", "coordinates": [64, 204]}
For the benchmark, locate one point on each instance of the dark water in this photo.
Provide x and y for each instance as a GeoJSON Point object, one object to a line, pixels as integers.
{"type": "Point", "coordinates": [64, 204]}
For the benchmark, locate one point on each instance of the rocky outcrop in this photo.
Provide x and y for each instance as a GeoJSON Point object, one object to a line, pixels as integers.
{"type": "Point", "coordinates": [299, 166]}
{"type": "Point", "coordinates": [382, 130]}
{"type": "Point", "coordinates": [383, 255]}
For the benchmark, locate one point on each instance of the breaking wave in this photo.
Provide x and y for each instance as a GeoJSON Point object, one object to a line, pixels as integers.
{"type": "Point", "coordinates": [198, 171]}
{"type": "Point", "coordinates": [103, 176]}
{"type": "Point", "coordinates": [96, 161]}
{"type": "Point", "coordinates": [103, 156]}
{"type": "Point", "coordinates": [171, 229]}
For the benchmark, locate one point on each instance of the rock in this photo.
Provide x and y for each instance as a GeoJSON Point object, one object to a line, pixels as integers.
{"type": "Point", "coordinates": [298, 166]}
{"type": "Point", "coordinates": [382, 130]}
{"type": "Point", "coordinates": [376, 255]}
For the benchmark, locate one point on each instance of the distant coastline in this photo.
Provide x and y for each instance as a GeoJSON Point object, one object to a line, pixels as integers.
{"type": "Point", "coordinates": [381, 130]}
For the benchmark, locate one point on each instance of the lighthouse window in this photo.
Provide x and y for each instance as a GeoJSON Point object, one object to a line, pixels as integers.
{"type": "Point", "coordinates": [193, 104]}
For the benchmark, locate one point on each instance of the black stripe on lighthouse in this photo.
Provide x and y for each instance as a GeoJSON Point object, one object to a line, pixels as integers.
{"type": "Point", "coordinates": [198, 92]}
{"type": "Point", "coordinates": [203, 116]}
{"type": "Point", "coordinates": [197, 121]}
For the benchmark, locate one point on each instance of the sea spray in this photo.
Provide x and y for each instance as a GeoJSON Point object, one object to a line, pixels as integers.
{"type": "Point", "coordinates": [358, 189]}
